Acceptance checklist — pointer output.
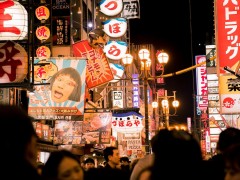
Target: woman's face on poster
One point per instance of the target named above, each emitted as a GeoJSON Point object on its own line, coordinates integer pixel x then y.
{"type": "Point", "coordinates": [62, 88]}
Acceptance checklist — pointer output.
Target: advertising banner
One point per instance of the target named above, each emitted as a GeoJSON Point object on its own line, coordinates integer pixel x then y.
{"type": "Point", "coordinates": [67, 132]}
{"type": "Point", "coordinates": [97, 128]}
{"type": "Point", "coordinates": [227, 17]}
{"type": "Point", "coordinates": [229, 94]}
{"type": "Point", "coordinates": [62, 98]}
{"type": "Point", "coordinates": [98, 69]}
{"type": "Point", "coordinates": [130, 143]}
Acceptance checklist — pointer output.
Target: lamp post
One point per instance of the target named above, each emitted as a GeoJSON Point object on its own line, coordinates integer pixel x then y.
{"type": "Point", "coordinates": [144, 55]}
{"type": "Point", "coordinates": [165, 106]}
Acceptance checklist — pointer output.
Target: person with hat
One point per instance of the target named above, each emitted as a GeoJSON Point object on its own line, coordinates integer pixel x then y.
{"type": "Point", "coordinates": [88, 163]}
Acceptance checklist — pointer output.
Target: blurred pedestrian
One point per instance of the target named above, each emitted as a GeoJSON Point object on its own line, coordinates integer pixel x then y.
{"type": "Point", "coordinates": [125, 165]}
{"type": "Point", "coordinates": [112, 169]}
{"type": "Point", "coordinates": [133, 163]}
{"type": "Point", "coordinates": [18, 144]}
{"type": "Point", "coordinates": [143, 163]}
{"type": "Point", "coordinates": [177, 155]}
{"type": "Point", "coordinates": [88, 163]}
{"type": "Point", "coordinates": [62, 165]}
{"type": "Point", "coordinates": [112, 157]}
{"type": "Point", "coordinates": [232, 162]}
{"type": "Point", "coordinates": [215, 166]}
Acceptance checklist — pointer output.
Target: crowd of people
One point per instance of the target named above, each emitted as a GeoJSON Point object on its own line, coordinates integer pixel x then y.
{"type": "Point", "coordinates": [176, 154]}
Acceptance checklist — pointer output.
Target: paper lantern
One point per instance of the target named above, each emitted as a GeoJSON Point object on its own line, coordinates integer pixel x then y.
{"type": "Point", "coordinates": [14, 62]}
{"type": "Point", "coordinates": [14, 21]}
{"type": "Point", "coordinates": [43, 52]}
{"type": "Point", "coordinates": [111, 7]}
{"type": "Point", "coordinates": [115, 49]}
{"type": "Point", "coordinates": [116, 27]}
{"type": "Point", "coordinates": [43, 33]}
{"type": "Point", "coordinates": [42, 13]}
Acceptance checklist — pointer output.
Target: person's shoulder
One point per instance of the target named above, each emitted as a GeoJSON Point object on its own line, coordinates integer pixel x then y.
{"type": "Point", "coordinates": [216, 158]}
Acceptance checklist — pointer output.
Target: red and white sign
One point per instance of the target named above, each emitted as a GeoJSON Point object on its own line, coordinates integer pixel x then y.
{"type": "Point", "coordinates": [111, 7]}
{"type": "Point", "coordinates": [227, 18]}
{"type": "Point", "coordinates": [116, 27]}
{"type": "Point", "coordinates": [201, 79]}
{"type": "Point", "coordinates": [14, 21]}
{"type": "Point", "coordinates": [115, 49]}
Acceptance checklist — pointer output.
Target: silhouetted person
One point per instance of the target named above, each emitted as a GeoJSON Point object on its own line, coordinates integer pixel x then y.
{"type": "Point", "coordinates": [18, 144]}
{"type": "Point", "coordinates": [177, 155]}
{"type": "Point", "coordinates": [215, 166]}
{"type": "Point", "coordinates": [62, 165]}
{"type": "Point", "coordinates": [125, 165]}
{"type": "Point", "coordinates": [232, 162]}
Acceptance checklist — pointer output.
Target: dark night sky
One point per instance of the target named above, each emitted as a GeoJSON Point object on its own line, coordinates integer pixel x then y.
{"type": "Point", "coordinates": [168, 25]}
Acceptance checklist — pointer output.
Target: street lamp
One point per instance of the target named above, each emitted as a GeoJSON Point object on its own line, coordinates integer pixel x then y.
{"type": "Point", "coordinates": [165, 106]}
{"type": "Point", "coordinates": [144, 56]}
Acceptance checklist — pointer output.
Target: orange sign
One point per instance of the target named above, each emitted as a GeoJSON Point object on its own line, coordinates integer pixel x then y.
{"type": "Point", "coordinates": [42, 33]}
{"type": "Point", "coordinates": [98, 68]}
{"type": "Point", "coordinates": [42, 13]}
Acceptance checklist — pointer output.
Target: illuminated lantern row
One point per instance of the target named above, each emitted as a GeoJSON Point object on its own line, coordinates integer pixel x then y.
{"type": "Point", "coordinates": [43, 33]}
{"type": "Point", "coordinates": [14, 21]}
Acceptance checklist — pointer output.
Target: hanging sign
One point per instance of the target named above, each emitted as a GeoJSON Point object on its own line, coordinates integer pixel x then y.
{"type": "Point", "coordinates": [115, 49]}
{"type": "Point", "coordinates": [43, 33]}
{"type": "Point", "coordinates": [14, 21]}
{"type": "Point", "coordinates": [43, 52]}
{"type": "Point", "coordinates": [116, 27]}
{"type": "Point", "coordinates": [14, 62]}
{"type": "Point", "coordinates": [42, 13]}
{"type": "Point", "coordinates": [111, 7]}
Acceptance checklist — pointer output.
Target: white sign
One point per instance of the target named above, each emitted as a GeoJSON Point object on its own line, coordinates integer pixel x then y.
{"type": "Point", "coordinates": [117, 99]}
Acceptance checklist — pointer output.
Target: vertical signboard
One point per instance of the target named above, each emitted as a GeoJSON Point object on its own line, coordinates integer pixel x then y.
{"type": "Point", "coordinates": [227, 18]}
{"type": "Point", "coordinates": [117, 99]}
{"type": "Point", "coordinates": [136, 98]}
{"type": "Point", "coordinates": [61, 22]}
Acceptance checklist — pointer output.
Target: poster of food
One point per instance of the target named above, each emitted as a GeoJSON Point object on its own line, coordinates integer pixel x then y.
{"type": "Point", "coordinates": [67, 132]}
{"type": "Point", "coordinates": [61, 90]}
{"type": "Point", "coordinates": [129, 143]}
{"type": "Point", "coordinates": [97, 128]}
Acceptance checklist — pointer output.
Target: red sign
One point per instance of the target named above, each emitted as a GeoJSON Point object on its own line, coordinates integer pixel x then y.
{"type": "Point", "coordinates": [227, 18]}
{"type": "Point", "coordinates": [98, 69]}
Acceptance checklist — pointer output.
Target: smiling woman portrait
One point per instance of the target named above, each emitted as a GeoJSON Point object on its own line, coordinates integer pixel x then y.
{"type": "Point", "coordinates": [65, 85]}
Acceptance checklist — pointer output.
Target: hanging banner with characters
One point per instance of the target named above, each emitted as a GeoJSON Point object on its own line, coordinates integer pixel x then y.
{"type": "Point", "coordinates": [62, 98]}
{"type": "Point", "coordinates": [98, 69]}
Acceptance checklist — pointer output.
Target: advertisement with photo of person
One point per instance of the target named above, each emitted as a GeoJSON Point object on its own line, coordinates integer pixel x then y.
{"type": "Point", "coordinates": [61, 97]}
